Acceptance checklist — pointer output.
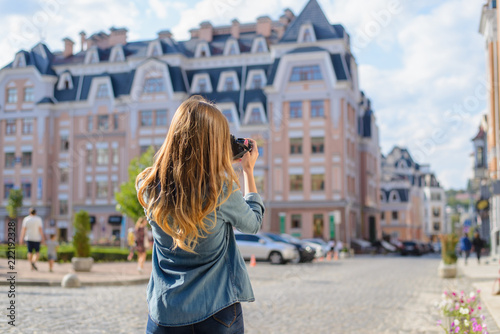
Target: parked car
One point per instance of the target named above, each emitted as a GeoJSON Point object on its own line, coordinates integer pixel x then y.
{"type": "Point", "coordinates": [306, 252]}
{"type": "Point", "coordinates": [264, 248]}
{"type": "Point", "coordinates": [436, 247]}
{"type": "Point", "coordinates": [411, 248]}
{"type": "Point", "coordinates": [325, 248]}
{"type": "Point", "coordinates": [318, 249]}
{"type": "Point", "coordinates": [362, 246]}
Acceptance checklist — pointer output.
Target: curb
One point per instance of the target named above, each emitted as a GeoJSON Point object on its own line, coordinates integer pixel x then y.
{"type": "Point", "coordinates": [492, 302]}
{"type": "Point", "coordinates": [95, 283]}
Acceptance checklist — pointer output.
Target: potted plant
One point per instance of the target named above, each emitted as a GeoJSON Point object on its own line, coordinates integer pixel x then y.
{"type": "Point", "coordinates": [448, 265]}
{"type": "Point", "coordinates": [82, 260]}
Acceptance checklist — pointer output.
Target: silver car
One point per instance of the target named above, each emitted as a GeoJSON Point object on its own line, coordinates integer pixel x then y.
{"type": "Point", "coordinates": [263, 248]}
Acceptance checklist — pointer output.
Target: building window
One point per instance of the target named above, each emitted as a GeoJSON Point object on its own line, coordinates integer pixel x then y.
{"type": "Point", "coordinates": [382, 215]}
{"type": "Point", "coordinates": [64, 175]}
{"type": "Point", "coordinates": [435, 197]}
{"type": "Point", "coordinates": [259, 183]}
{"type": "Point", "coordinates": [480, 157]}
{"type": "Point", "coordinates": [102, 91]}
{"type": "Point", "coordinates": [228, 114]}
{"type": "Point", "coordinates": [307, 36]}
{"type": "Point", "coordinates": [229, 85]}
{"type": "Point", "coordinates": [255, 116]}
{"type": "Point", "coordinates": [296, 182]}
{"type": "Point", "coordinates": [317, 109]}
{"type": "Point", "coordinates": [64, 143]}
{"type": "Point", "coordinates": [161, 117]}
{"type": "Point", "coordinates": [256, 82]}
{"type": "Point", "coordinates": [7, 187]}
{"type": "Point", "coordinates": [318, 225]}
{"type": "Point", "coordinates": [10, 160]}
{"type": "Point", "coordinates": [29, 94]}
{"type": "Point", "coordinates": [295, 145]}
{"type": "Point", "coordinates": [102, 156]}
{"type": "Point", "coordinates": [102, 189]}
{"type": "Point", "coordinates": [260, 47]}
{"type": "Point", "coordinates": [12, 95]}
{"type": "Point", "coordinates": [318, 182]}
{"type": "Point", "coordinates": [90, 123]}
{"type": "Point", "coordinates": [89, 190]}
{"type": "Point", "coordinates": [146, 118]}
{"type": "Point", "coordinates": [436, 212]}
{"type": "Point", "coordinates": [10, 127]}
{"type": "Point", "coordinates": [317, 145]}
{"type": "Point", "coordinates": [394, 215]}
{"type": "Point", "coordinates": [153, 85]}
{"type": "Point", "coordinates": [437, 226]}
{"type": "Point", "coordinates": [144, 148]}
{"type": "Point", "coordinates": [115, 187]}
{"type": "Point", "coordinates": [26, 189]}
{"type": "Point", "coordinates": [28, 126]}
{"type": "Point", "coordinates": [202, 85]}
{"type": "Point", "coordinates": [116, 121]}
{"type": "Point", "coordinates": [232, 49]}
{"type": "Point", "coordinates": [296, 221]}
{"type": "Point", "coordinates": [63, 207]}
{"type": "Point", "coordinates": [90, 157]}
{"type": "Point", "coordinates": [296, 109]}
{"type": "Point", "coordinates": [115, 160]}
{"type": "Point", "coordinates": [306, 73]}
{"type": "Point", "coordinates": [26, 159]}
{"type": "Point", "coordinates": [102, 122]}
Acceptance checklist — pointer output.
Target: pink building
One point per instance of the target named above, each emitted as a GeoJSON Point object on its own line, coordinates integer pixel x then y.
{"type": "Point", "coordinates": [71, 121]}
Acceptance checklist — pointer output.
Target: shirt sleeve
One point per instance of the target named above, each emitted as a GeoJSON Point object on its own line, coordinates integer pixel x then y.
{"type": "Point", "coordinates": [243, 212]}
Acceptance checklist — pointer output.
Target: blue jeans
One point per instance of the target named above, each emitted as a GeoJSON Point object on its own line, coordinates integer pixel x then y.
{"type": "Point", "coordinates": [226, 321]}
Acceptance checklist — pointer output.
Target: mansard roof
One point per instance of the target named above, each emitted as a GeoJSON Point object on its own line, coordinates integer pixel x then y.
{"type": "Point", "coordinates": [40, 57]}
{"type": "Point", "coordinates": [311, 14]}
{"type": "Point", "coordinates": [403, 194]}
{"type": "Point", "coordinates": [480, 134]}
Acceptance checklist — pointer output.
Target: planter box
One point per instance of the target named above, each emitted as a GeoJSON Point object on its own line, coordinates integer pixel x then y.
{"type": "Point", "coordinates": [82, 263]}
{"type": "Point", "coordinates": [447, 270]}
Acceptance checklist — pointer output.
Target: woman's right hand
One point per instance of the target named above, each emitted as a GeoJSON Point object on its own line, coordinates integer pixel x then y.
{"type": "Point", "coordinates": [250, 158]}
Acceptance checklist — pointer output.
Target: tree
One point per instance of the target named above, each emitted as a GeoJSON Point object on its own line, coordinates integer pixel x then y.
{"type": "Point", "coordinates": [127, 196]}
{"type": "Point", "coordinates": [81, 241]}
{"type": "Point", "coordinates": [14, 202]}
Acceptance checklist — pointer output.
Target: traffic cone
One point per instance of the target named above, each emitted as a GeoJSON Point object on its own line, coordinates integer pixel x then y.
{"type": "Point", "coordinates": [329, 256]}
{"type": "Point", "coordinates": [320, 259]}
{"type": "Point", "coordinates": [253, 262]}
{"type": "Point", "coordinates": [335, 256]}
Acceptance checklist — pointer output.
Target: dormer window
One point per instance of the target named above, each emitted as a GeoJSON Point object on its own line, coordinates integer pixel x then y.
{"type": "Point", "coordinates": [228, 82]}
{"type": "Point", "coordinates": [259, 45]}
{"type": "Point", "coordinates": [154, 85]}
{"type": "Point", "coordinates": [228, 114]}
{"type": "Point", "coordinates": [20, 60]}
{"type": "Point", "coordinates": [29, 94]}
{"type": "Point", "coordinates": [256, 79]}
{"type": "Point", "coordinates": [92, 56]}
{"type": "Point", "coordinates": [102, 91]}
{"type": "Point", "coordinates": [65, 81]}
{"type": "Point", "coordinates": [255, 114]}
{"type": "Point", "coordinates": [201, 83]}
{"type": "Point", "coordinates": [256, 82]}
{"type": "Point", "coordinates": [306, 73]}
{"type": "Point", "coordinates": [154, 49]}
{"type": "Point", "coordinates": [117, 54]}
{"type": "Point", "coordinates": [202, 50]}
{"type": "Point", "coordinates": [231, 47]}
{"type": "Point", "coordinates": [306, 34]}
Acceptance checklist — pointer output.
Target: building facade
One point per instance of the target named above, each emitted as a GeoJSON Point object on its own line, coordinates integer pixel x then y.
{"type": "Point", "coordinates": [72, 121]}
{"type": "Point", "coordinates": [488, 28]}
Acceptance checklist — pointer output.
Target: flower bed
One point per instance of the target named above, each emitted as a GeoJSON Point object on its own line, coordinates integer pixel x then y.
{"type": "Point", "coordinates": [462, 313]}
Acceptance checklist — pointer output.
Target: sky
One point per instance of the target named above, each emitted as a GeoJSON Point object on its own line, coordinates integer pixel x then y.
{"type": "Point", "coordinates": [422, 63]}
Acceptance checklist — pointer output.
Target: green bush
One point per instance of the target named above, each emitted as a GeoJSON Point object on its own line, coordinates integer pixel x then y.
{"type": "Point", "coordinates": [81, 240]}
{"type": "Point", "coordinates": [448, 246]}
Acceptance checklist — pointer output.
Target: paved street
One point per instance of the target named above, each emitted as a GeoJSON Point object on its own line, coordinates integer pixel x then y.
{"type": "Point", "coordinates": [362, 295]}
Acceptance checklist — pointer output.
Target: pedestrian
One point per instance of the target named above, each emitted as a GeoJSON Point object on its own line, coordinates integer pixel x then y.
{"type": "Point", "coordinates": [140, 242]}
{"type": "Point", "coordinates": [465, 247]}
{"type": "Point", "coordinates": [52, 246]}
{"type": "Point", "coordinates": [131, 243]}
{"type": "Point", "coordinates": [478, 244]}
{"type": "Point", "coordinates": [331, 246]}
{"type": "Point", "coordinates": [338, 247]}
{"type": "Point", "coordinates": [193, 201]}
{"type": "Point", "coordinates": [32, 233]}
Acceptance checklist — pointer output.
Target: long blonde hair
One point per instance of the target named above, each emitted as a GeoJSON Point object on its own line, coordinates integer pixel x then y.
{"type": "Point", "coordinates": [186, 181]}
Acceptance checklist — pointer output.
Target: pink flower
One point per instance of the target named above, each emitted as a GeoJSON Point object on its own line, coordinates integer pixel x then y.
{"type": "Point", "coordinates": [454, 294]}
{"type": "Point", "coordinates": [457, 329]}
{"type": "Point", "coordinates": [462, 293]}
{"type": "Point", "coordinates": [479, 307]}
{"type": "Point", "coordinates": [478, 291]}
{"type": "Point", "coordinates": [468, 300]}
{"type": "Point", "coordinates": [445, 292]}
{"type": "Point", "coordinates": [439, 322]}
{"type": "Point", "coordinates": [457, 306]}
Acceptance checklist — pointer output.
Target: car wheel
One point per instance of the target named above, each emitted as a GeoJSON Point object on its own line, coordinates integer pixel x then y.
{"type": "Point", "coordinates": [276, 258]}
{"type": "Point", "coordinates": [298, 259]}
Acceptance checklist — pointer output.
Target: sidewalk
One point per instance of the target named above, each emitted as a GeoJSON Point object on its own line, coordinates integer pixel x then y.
{"type": "Point", "coordinates": [483, 277]}
{"type": "Point", "coordinates": [102, 274]}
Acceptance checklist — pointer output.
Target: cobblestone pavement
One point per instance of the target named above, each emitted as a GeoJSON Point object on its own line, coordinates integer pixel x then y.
{"type": "Point", "coordinates": [360, 295]}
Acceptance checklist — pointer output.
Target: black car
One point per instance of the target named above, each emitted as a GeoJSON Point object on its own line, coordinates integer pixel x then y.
{"type": "Point", "coordinates": [306, 252]}
{"type": "Point", "coordinates": [411, 248]}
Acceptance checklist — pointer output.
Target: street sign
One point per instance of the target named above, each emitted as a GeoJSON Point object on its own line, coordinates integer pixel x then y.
{"type": "Point", "coordinates": [467, 223]}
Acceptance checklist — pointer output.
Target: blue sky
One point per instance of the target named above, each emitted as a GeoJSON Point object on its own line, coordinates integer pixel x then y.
{"type": "Point", "coordinates": [422, 64]}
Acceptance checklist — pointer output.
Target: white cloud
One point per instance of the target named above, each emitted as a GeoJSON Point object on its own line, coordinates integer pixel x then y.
{"type": "Point", "coordinates": [161, 8]}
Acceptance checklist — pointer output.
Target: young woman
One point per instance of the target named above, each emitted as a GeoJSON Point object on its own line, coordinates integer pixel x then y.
{"type": "Point", "coordinates": [192, 200]}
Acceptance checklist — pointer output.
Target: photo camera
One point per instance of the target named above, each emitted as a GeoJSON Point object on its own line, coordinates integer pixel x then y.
{"type": "Point", "coordinates": [239, 147]}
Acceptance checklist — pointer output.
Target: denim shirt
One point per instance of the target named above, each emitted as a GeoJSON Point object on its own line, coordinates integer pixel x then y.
{"type": "Point", "coordinates": [186, 288]}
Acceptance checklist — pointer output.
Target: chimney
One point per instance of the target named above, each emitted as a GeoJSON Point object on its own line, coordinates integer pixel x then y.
{"type": "Point", "coordinates": [82, 39]}
{"type": "Point", "coordinates": [206, 31]}
{"type": "Point", "coordinates": [164, 34]}
{"type": "Point", "coordinates": [235, 29]}
{"type": "Point", "coordinates": [117, 36]}
{"type": "Point", "coordinates": [264, 26]}
{"type": "Point", "coordinates": [284, 20]}
{"type": "Point", "coordinates": [289, 14]}
{"type": "Point", "coordinates": [68, 47]}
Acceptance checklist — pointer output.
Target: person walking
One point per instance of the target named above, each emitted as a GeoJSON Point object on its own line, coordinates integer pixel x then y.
{"type": "Point", "coordinates": [478, 244]}
{"type": "Point", "coordinates": [131, 243]}
{"type": "Point", "coordinates": [465, 247]}
{"type": "Point", "coordinates": [52, 246]}
{"type": "Point", "coordinates": [140, 242]}
{"type": "Point", "coordinates": [192, 201]}
{"type": "Point", "coordinates": [32, 233]}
